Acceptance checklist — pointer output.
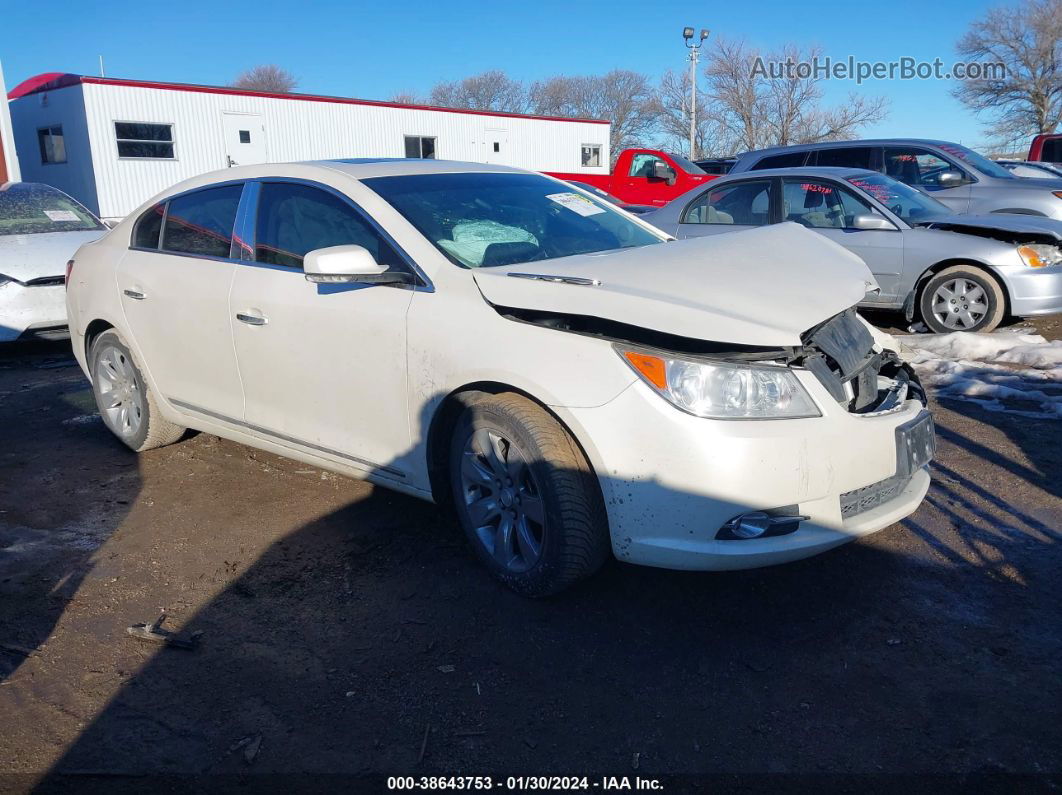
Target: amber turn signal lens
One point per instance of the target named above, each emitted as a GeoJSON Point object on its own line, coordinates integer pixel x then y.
{"type": "Point", "coordinates": [652, 367]}
{"type": "Point", "coordinates": [1032, 257]}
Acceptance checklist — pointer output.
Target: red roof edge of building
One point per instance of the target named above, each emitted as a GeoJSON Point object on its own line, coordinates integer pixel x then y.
{"type": "Point", "coordinates": [50, 81]}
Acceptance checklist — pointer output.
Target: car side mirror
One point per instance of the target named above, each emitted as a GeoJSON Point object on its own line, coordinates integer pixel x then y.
{"type": "Point", "coordinates": [662, 170]}
{"type": "Point", "coordinates": [868, 222]}
{"type": "Point", "coordinates": [349, 264]}
{"type": "Point", "coordinates": [951, 179]}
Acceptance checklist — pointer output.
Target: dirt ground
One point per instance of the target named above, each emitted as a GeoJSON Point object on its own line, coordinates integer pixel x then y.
{"type": "Point", "coordinates": [346, 630]}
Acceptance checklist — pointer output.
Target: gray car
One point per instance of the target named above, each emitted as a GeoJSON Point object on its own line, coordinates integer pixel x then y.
{"type": "Point", "coordinates": [954, 272]}
{"type": "Point", "coordinates": [959, 177]}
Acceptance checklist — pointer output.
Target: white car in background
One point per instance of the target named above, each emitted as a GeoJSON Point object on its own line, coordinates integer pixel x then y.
{"type": "Point", "coordinates": [566, 377]}
{"type": "Point", "coordinates": [40, 229]}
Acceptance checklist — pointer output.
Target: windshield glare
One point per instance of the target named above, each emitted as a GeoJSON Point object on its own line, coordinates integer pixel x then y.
{"type": "Point", "coordinates": [902, 200]}
{"type": "Point", "coordinates": [686, 165]}
{"type": "Point", "coordinates": [31, 209]}
{"type": "Point", "coordinates": [980, 162]}
{"type": "Point", "coordinates": [479, 220]}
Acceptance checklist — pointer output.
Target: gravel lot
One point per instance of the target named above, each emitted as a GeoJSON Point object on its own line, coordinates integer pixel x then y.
{"type": "Point", "coordinates": [346, 629]}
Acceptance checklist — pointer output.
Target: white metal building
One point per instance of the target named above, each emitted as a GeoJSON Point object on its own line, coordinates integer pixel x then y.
{"type": "Point", "coordinates": [112, 144]}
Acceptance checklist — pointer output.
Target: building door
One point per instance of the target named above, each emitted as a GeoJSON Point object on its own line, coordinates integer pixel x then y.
{"type": "Point", "coordinates": [245, 139]}
{"type": "Point", "coordinates": [496, 145]}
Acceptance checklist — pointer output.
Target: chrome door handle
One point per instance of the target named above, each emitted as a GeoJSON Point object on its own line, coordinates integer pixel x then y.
{"type": "Point", "coordinates": [250, 320]}
{"type": "Point", "coordinates": [136, 295]}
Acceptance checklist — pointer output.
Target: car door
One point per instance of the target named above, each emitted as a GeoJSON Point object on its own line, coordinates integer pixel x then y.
{"type": "Point", "coordinates": [174, 286]}
{"type": "Point", "coordinates": [921, 168]}
{"type": "Point", "coordinates": [641, 186]}
{"type": "Point", "coordinates": [323, 365]}
{"type": "Point", "coordinates": [829, 209]}
{"type": "Point", "coordinates": [729, 207]}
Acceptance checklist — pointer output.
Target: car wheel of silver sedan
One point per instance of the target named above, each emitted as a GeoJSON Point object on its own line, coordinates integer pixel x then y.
{"type": "Point", "coordinates": [124, 399]}
{"type": "Point", "coordinates": [525, 496]}
{"type": "Point", "coordinates": [962, 298]}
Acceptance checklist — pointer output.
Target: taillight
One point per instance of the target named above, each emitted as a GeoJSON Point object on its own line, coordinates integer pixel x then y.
{"type": "Point", "coordinates": [69, 268]}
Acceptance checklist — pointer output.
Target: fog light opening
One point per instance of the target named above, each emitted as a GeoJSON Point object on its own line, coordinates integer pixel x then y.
{"type": "Point", "coordinates": [758, 524]}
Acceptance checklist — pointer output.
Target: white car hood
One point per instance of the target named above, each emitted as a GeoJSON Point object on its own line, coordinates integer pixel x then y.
{"type": "Point", "coordinates": [25, 257]}
{"type": "Point", "coordinates": [760, 287]}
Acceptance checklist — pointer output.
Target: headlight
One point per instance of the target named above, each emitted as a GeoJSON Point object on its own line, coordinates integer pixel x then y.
{"type": "Point", "coordinates": [1040, 255]}
{"type": "Point", "coordinates": [723, 390]}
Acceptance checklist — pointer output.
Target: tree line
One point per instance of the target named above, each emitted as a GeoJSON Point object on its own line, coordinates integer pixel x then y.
{"type": "Point", "coordinates": [741, 108]}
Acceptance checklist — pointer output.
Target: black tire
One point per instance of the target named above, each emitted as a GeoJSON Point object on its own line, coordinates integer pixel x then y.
{"type": "Point", "coordinates": [572, 540]}
{"type": "Point", "coordinates": [991, 297]}
{"type": "Point", "coordinates": [142, 427]}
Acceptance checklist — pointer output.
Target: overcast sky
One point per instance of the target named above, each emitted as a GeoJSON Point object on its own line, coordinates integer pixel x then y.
{"type": "Point", "coordinates": [373, 50]}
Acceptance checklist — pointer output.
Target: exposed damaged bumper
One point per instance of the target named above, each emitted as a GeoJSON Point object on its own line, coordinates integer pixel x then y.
{"type": "Point", "coordinates": [37, 308]}
{"type": "Point", "coordinates": [683, 485]}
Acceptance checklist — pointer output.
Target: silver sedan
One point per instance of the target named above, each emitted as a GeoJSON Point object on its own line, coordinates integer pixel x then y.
{"type": "Point", "coordinates": [955, 273]}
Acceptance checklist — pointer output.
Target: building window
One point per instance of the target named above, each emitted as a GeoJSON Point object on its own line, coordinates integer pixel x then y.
{"type": "Point", "coordinates": [52, 143]}
{"type": "Point", "coordinates": [420, 146]}
{"type": "Point", "coordinates": [591, 157]}
{"type": "Point", "coordinates": [139, 139]}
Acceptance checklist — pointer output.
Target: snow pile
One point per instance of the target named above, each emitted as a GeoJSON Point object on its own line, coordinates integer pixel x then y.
{"type": "Point", "coordinates": [1003, 371]}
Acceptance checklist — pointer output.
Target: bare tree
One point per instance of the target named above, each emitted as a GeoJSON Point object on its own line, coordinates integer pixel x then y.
{"type": "Point", "coordinates": [493, 90]}
{"type": "Point", "coordinates": [673, 119]}
{"type": "Point", "coordinates": [1027, 41]}
{"type": "Point", "coordinates": [267, 77]}
{"type": "Point", "coordinates": [623, 97]}
{"type": "Point", "coordinates": [407, 98]}
{"type": "Point", "coordinates": [756, 108]}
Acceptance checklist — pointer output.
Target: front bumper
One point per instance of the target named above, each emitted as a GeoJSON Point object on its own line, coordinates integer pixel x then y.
{"type": "Point", "coordinates": [34, 310]}
{"type": "Point", "coordinates": [1033, 291]}
{"type": "Point", "coordinates": [671, 480]}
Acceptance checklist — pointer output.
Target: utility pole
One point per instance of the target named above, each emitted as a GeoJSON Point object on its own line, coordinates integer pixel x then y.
{"type": "Point", "coordinates": [695, 51]}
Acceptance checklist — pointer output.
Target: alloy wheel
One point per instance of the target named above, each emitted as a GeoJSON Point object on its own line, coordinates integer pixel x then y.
{"type": "Point", "coordinates": [502, 500]}
{"type": "Point", "coordinates": [959, 304]}
{"type": "Point", "coordinates": [121, 399]}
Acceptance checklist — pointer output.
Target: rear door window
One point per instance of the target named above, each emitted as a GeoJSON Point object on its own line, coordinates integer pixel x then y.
{"type": "Point", "coordinates": [739, 203]}
{"type": "Point", "coordinates": [201, 222]}
{"type": "Point", "coordinates": [787, 160]}
{"type": "Point", "coordinates": [294, 219]}
{"type": "Point", "coordinates": [847, 157]}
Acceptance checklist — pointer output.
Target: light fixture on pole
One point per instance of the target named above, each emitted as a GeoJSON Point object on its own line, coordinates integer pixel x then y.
{"type": "Point", "coordinates": [695, 50]}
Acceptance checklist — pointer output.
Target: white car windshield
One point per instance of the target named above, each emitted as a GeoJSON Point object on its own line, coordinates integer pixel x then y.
{"type": "Point", "coordinates": [480, 220]}
{"type": "Point", "coordinates": [910, 204]}
{"type": "Point", "coordinates": [27, 208]}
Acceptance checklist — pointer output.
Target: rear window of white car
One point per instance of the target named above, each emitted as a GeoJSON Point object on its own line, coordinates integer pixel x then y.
{"type": "Point", "coordinates": [27, 209]}
{"type": "Point", "coordinates": [479, 220]}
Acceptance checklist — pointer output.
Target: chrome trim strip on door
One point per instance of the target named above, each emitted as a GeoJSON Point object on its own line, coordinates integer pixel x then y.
{"type": "Point", "coordinates": [378, 468]}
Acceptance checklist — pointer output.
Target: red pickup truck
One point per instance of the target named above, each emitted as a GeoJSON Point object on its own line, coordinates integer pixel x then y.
{"type": "Point", "coordinates": [645, 176]}
{"type": "Point", "coordinates": [1046, 148]}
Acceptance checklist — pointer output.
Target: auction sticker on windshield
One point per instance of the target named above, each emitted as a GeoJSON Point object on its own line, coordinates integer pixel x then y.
{"type": "Point", "coordinates": [61, 215]}
{"type": "Point", "coordinates": [576, 203]}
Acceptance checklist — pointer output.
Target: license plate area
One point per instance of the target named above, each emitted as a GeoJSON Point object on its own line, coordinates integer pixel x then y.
{"type": "Point", "coordinates": [916, 443]}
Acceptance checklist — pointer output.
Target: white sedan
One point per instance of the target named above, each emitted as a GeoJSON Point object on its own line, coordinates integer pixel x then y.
{"type": "Point", "coordinates": [40, 229]}
{"type": "Point", "coordinates": [566, 378]}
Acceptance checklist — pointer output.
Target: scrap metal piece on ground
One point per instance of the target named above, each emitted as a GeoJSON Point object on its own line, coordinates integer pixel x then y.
{"type": "Point", "coordinates": [153, 633]}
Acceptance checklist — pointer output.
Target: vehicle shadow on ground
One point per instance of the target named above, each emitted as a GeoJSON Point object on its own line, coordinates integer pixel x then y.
{"type": "Point", "coordinates": [55, 511]}
{"type": "Point", "coordinates": [370, 642]}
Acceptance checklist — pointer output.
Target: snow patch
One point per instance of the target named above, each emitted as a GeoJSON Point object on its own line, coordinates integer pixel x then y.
{"type": "Point", "coordinates": [81, 419]}
{"type": "Point", "coordinates": [1003, 371]}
